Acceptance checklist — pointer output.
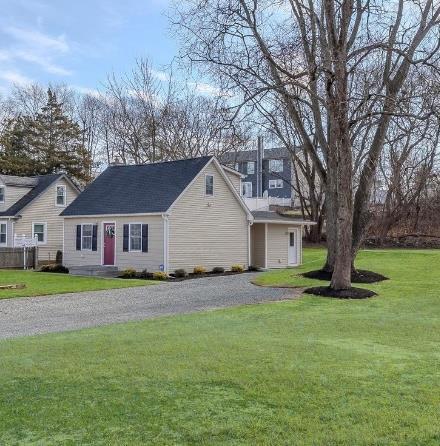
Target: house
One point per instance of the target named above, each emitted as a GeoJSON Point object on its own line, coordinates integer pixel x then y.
{"type": "Point", "coordinates": [31, 207]}
{"type": "Point", "coordinates": [267, 173]}
{"type": "Point", "coordinates": [171, 215]}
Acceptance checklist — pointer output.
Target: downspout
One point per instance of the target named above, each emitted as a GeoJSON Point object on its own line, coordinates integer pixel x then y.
{"type": "Point", "coordinates": [166, 242]}
{"type": "Point", "coordinates": [250, 223]}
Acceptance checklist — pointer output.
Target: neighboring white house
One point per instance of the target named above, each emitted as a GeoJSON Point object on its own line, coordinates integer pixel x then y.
{"type": "Point", "coordinates": [176, 214]}
{"type": "Point", "coordinates": [31, 207]}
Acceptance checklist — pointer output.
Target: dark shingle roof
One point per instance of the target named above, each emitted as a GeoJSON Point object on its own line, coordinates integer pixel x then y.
{"type": "Point", "coordinates": [136, 189]}
{"type": "Point", "coordinates": [43, 182]}
{"type": "Point", "coordinates": [275, 216]}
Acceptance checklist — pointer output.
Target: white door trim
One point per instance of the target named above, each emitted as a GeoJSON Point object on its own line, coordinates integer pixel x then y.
{"type": "Point", "coordinates": [297, 253]}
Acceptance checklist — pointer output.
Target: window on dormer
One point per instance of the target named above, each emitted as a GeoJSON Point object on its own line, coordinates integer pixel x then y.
{"type": "Point", "coordinates": [61, 195]}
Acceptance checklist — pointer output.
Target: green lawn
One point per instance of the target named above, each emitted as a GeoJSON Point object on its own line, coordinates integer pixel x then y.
{"type": "Point", "coordinates": [39, 284]}
{"type": "Point", "coordinates": [311, 371]}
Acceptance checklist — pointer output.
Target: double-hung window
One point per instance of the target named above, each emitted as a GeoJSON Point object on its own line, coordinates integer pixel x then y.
{"type": "Point", "coordinates": [61, 196]}
{"type": "Point", "coordinates": [276, 165]}
{"type": "Point", "coordinates": [86, 237]}
{"type": "Point", "coordinates": [135, 237]}
{"type": "Point", "coordinates": [2, 194]}
{"type": "Point", "coordinates": [39, 232]}
{"type": "Point", "coordinates": [3, 233]}
{"type": "Point", "coordinates": [209, 185]}
{"type": "Point", "coordinates": [275, 184]}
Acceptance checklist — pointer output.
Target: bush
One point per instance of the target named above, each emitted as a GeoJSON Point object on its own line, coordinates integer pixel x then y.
{"type": "Point", "coordinates": [179, 273]}
{"type": "Point", "coordinates": [160, 275]}
{"type": "Point", "coordinates": [129, 273]}
{"type": "Point", "coordinates": [237, 268]}
{"type": "Point", "coordinates": [59, 257]}
{"type": "Point", "coordinates": [54, 268]}
{"type": "Point", "coordinates": [218, 270]}
{"type": "Point", "coordinates": [144, 274]}
{"type": "Point", "coordinates": [199, 269]}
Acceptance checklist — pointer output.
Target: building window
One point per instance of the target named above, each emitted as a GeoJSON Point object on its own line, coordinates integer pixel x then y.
{"type": "Point", "coordinates": [237, 167]}
{"type": "Point", "coordinates": [2, 194]}
{"type": "Point", "coordinates": [276, 165]}
{"type": "Point", "coordinates": [86, 237]}
{"type": "Point", "coordinates": [39, 232]}
{"type": "Point", "coordinates": [275, 184]}
{"type": "Point", "coordinates": [3, 235]}
{"type": "Point", "coordinates": [135, 237]}
{"type": "Point", "coordinates": [246, 189]}
{"type": "Point", "coordinates": [250, 167]}
{"type": "Point", "coordinates": [209, 185]}
{"type": "Point", "coordinates": [61, 196]}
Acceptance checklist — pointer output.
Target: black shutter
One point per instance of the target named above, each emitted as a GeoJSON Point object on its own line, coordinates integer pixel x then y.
{"type": "Point", "coordinates": [78, 237]}
{"type": "Point", "coordinates": [126, 240]}
{"type": "Point", "coordinates": [144, 238]}
{"type": "Point", "coordinates": [95, 238]}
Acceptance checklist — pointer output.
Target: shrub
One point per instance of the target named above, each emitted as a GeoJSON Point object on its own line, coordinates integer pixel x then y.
{"type": "Point", "coordinates": [160, 275]}
{"type": "Point", "coordinates": [180, 273]}
{"type": "Point", "coordinates": [237, 268]}
{"type": "Point", "coordinates": [129, 273]}
{"type": "Point", "coordinates": [218, 270]}
{"type": "Point", "coordinates": [59, 257]}
{"type": "Point", "coordinates": [144, 274]}
{"type": "Point", "coordinates": [54, 268]}
{"type": "Point", "coordinates": [199, 269]}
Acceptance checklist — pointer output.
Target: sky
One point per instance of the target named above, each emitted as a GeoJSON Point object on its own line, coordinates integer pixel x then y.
{"type": "Point", "coordinates": [79, 42]}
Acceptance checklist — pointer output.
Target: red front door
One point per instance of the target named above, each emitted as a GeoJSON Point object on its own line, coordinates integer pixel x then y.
{"type": "Point", "coordinates": [109, 243]}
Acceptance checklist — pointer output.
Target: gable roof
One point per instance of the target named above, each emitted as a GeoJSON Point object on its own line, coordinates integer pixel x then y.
{"type": "Point", "coordinates": [137, 189]}
{"type": "Point", "coordinates": [42, 183]}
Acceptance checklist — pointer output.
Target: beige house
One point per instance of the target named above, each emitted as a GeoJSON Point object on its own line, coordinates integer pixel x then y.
{"type": "Point", "coordinates": [171, 215]}
{"type": "Point", "coordinates": [30, 207]}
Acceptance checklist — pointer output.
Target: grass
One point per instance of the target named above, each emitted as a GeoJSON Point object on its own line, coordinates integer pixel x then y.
{"type": "Point", "coordinates": [39, 284]}
{"type": "Point", "coordinates": [311, 371]}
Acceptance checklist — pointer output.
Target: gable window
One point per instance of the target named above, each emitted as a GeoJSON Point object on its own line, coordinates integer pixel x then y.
{"type": "Point", "coordinates": [250, 167]}
{"type": "Point", "coordinates": [275, 184]}
{"type": "Point", "coordinates": [61, 196]}
{"type": "Point", "coordinates": [209, 185]}
{"type": "Point", "coordinates": [2, 194]}
{"type": "Point", "coordinates": [86, 237]}
{"type": "Point", "coordinates": [276, 165]}
{"type": "Point", "coordinates": [135, 237]}
{"type": "Point", "coordinates": [3, 234]}
{"type": "Point", "coordinates": [39, 232]}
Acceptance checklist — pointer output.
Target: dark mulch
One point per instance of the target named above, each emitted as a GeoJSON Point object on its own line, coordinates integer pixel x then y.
{"type": "Point", "coordinates": [351, 293]}
{"type": "Point", "coordinates": [358, 276]}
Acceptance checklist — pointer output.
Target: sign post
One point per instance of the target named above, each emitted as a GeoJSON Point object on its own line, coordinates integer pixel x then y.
{"type": "Point", "coordinates": [25, 243]}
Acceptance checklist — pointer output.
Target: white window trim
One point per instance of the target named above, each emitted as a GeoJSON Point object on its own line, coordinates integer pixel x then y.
{"type": "Point", "coordinates": [91, 237]}
{"type": "Point", "coordinates": [278, 161]}
{"type": "Point", "coordinates": [129, 237]}
{"type": "Point", "coordinates": [209, 175]}
{"type": "Point", "coordinates": [56, 196]}
{"type": "Point", "coordinates": [4, 193]}
{"type": "Point", "coordinates": [44, 231]}
{"type": "Point", "coordinates": [4, 222]}
{"type": "Point", "coordinates": [273, 184]}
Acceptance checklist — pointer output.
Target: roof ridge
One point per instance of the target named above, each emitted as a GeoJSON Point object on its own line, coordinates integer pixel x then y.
{"type": "Point", "coordinates": [155, 163]}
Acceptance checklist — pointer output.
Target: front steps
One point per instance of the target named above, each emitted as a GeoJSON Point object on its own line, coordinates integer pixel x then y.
{"type": "Point", "coordinates": [94, 270]}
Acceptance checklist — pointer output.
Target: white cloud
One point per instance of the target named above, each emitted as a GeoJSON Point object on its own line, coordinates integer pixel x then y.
{"type": "Point", "coordinates": [85, 90]}
{"type": "Point", "coordinates": [160, 75]}
{"type": "Point", "coordinates": [37, 39]}
{"type": "Point", "coordinates": [44, 62]}
{"type": "Point", "coordinates": [14, 77]}
{"type": "Point", "coordinates": [208, 89]}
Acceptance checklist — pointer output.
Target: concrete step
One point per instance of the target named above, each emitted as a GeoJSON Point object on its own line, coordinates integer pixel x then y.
{"type": "Point", "coordinates": [94, 270]}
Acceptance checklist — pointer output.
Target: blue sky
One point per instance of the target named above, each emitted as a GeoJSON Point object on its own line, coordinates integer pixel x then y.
{"type": "Point", "coordinates": [79, 42]}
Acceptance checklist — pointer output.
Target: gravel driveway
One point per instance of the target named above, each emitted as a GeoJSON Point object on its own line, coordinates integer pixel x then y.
{"type": "Point", "coordinates": [33, 315]}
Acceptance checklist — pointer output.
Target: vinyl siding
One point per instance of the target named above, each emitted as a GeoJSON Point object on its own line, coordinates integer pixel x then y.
{"type": "Point", "coordinates": [258, 245]}
{"type": "Point", "coordinates": [9, 233]}
{"type": "Point", "coordinates": [208, 231]}
{"type": "Point", "coordinates": [150, 260]}
{"type": "Point", "coordinates": [43, 210]}
{"type": "Point", "coordinates": [235, 180]}
{"type": "Point", "coordinates": [12, 195]}
{"type": "Point", "coordinates": [277, 245]}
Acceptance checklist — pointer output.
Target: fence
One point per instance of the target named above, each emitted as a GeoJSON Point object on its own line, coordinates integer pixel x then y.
{"type": "Point", "coordinates": [18, 257]}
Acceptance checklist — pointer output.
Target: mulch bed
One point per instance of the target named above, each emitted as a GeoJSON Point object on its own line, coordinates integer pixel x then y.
{"type": "Point", "coordinates": [358, 276]}
{"type": "Point", "coordinates": [351, 293]}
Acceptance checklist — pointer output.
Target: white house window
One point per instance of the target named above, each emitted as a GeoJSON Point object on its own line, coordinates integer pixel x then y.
{"type": "Point", "coordinates": [250, 167]}
{"type": "Point", "coordinates": [2, 194]}
{"type": "Point", "coordinates": [135, 237]}
{"type": "Point", "coordinates": [3, 235]}
{"type": "Point", "coordinates": [209, 185]}
{"type": "Point", "coordinates": [61, 195]}
{"type": "Point", "coordinates": [86, 237]}
{"type": "Point", "coordinates": [246, 189]}
{"type": "Point", "coordinates": [275, 184]}
{"type": "Point", "coordinates": [276, 165]}
{"type": "Point", "coordinates": [39, 232]}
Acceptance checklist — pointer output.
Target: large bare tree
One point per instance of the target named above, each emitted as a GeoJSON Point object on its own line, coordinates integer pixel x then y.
{"type": "Point", "coordinates": [347, 62]}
